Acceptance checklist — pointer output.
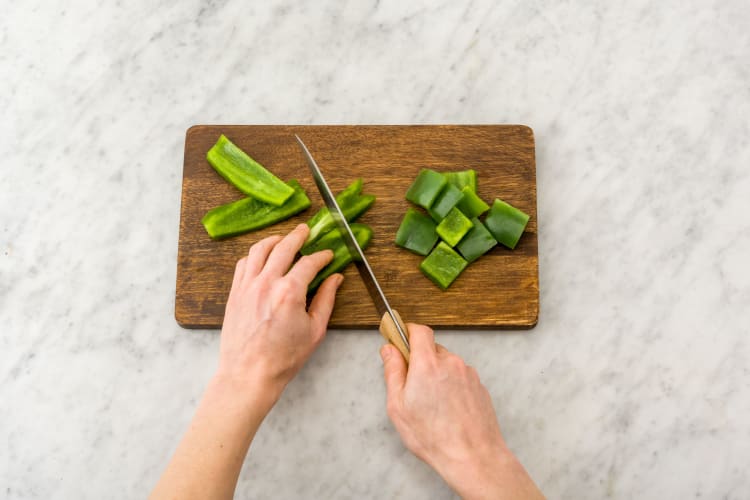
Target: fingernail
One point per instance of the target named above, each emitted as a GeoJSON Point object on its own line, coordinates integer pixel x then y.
{"type": "Point", "coordinates": [339, 279]}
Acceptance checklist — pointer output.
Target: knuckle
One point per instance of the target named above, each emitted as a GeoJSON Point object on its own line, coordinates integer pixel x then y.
{"type": "Point", "coordinates": [305, 260]}
{"type": "Point", "coordinates": [264, 243]}
{"type": "Point", "coordinates": [456, 362]}
{"type": "Point", "coordinates": [286, 290]}
{"type": "Point", "coordinates": [315, 259]}
{"type": "Point", "coordinates": [431, 370]}
{"type": "Point", "coordinates": [259, 287]}
{"type": "Point", "coordinates": [283, 288]}
{"type": "Point", "coordinates": [257, 246]}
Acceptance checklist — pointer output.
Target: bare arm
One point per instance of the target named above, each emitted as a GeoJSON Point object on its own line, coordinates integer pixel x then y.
{"type": "Point", "coordinates": [445, 417]}
{"type": "Point", "coordinates": [266, 338]}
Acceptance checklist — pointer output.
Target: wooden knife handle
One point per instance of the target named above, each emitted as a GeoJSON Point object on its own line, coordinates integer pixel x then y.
{"type": "Point", "coordinates": [390, 333]}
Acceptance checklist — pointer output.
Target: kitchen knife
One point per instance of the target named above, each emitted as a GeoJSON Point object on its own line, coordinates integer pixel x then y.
{"type": "Point", "coordinates": [391, 326]}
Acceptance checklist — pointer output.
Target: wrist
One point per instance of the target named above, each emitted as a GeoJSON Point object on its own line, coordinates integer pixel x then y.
{"type": "Point", "coordinates": [250, 388]}
{"type": "Point", "coordinates": [481, 474]}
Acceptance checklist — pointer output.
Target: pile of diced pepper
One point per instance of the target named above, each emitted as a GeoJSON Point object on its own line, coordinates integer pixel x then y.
{"type": "Point", "coordinates": [450, 234]}
{"type": "Point", "coordinates": [270, 200]}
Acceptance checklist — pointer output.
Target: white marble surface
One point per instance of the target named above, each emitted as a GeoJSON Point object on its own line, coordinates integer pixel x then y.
{"type": "Point", "coordinates": [635, 383]}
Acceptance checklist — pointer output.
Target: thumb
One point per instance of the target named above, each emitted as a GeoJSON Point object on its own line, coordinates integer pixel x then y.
{"type": "Point", "coordinates": [394, 368]}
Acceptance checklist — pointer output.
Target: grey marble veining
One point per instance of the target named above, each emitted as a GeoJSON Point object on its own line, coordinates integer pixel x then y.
{"type": "Point", "coordinates": [635, 383]}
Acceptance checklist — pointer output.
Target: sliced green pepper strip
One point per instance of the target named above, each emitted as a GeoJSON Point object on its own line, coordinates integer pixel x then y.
{"type": "Point", "coordinates": [352, 204]}
{"type": "Point", "coordinates": [447, 199]}
{"type": "Point", "coordinates": [453, 227]}
{"type": "Point", "coordinates": [462, 178]}
{"type": "Point", "coordinates": [351, 191]}
{"type": "Point", "coordinates": [477, 242]}
{"type": "Point", "coordinates": [416, 232]}
{"type": "Point", "coordinates": [471, 204]}
{"type": "Point", "coordinates": [249, 214]}
{"type": "Point", "coordinates": [443, 265]}
{"type": "Point", "coordinates": [506, 223]}
{"type": "Point", "coordinates": [426, 187]}
{"type": "Point", "coordinates": [246, 174]}
{"type": "Point", "coordinates": [332, 240]}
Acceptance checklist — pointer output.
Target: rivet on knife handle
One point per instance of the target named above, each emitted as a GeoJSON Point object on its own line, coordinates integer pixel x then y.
{"type": "Point", "coordinates": [389, 331]}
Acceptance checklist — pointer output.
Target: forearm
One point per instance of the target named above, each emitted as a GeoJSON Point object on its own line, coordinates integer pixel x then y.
{"type": "Point", "coordinates": [498, 476]}
{"type": "Point", "coordinates": [208, 460]}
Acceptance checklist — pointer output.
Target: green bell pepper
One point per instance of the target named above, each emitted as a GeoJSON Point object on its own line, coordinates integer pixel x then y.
{"type": "Point", "coordinates": [416, 232]}
{"type": "Point", "coordinates": [462, 178]}
{"type": "Point", "coordinates": [471, 204]}
{"type": "Point", "coordinates": [351, 202]}
{"type": "Point", "coordinates": [332, 240]}
{"type": "Point", "coordinates": [443, 265]}
{"type": "Point", "coordinates": [249, 214]}
{"type": "Point", "coordinates": [453, 227]}
{"type": "Point", "coordinates": [506, 223]}
{"type": "Point", "coordinates": [426, 187]}
{"type": "Point", "coordinates": [448, 198]}
{"type": "Point", "coordinates": [477, 242]}
{"type": "Point", "coordinates": [246, 174]}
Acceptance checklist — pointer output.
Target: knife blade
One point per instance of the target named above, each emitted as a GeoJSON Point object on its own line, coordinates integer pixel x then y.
{"type": "Point", "coordinates": [390, 319]}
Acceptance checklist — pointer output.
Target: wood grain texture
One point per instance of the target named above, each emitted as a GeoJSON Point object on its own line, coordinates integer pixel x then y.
{"type": "Point", "coordinates": [500, 290]}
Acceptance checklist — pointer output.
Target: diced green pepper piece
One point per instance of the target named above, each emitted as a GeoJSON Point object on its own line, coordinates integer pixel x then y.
{"type": "Point", "coordinates": [447, 199]}
{"type": "Point", "coordinates": [426, 188]}
{"type": "Point", "coordinates": [246, 174]}
{"type": "Point", "coordinates": [443, 265]}
{"type": "Point", "coordinates": [471, 204]}
{"type": "Point", "coordinates": [453, 227]}
{"type": "Point", "coordinates": [506, 223]}
{"type": "Point", "coordinates": [249, 214]}
{"type": "Point", "coordinates": [352, 204]}
{"type": "Point", "coordinates": [416, 232]}
{"type": "Point", "coordinates": [462, 178]}
{"type": "Point", "coordinates": [477, 242]}
{"type": "Point", "coordinates": [332, 240]}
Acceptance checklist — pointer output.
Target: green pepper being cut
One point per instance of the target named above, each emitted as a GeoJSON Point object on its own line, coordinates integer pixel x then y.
{"type": "Point", "coordinates": [506, 223]}
{"type": "Point", "coordinates": [447, 199]}
{"type": "Point", "coordinates": [471, 204]}
{"type": "Point", "coordinates": [249, 214]}
{"type": "Point", "coordinates": [477, 242]}
{"type": "Point", "coordinates": [426, 187]}
{"type": "Point", "coordinates": [462, 178]}
{"type": "Point", "coordinates": [332, 240]}
{"type": "Point", "coordinates": [453, 227]}
{"type": "Point", "coordinates": [352, 204]}
{"type": "Point", "coordinates": [246, 174]}
{"type": "Point", "coordinates": [443, 265]}
{"type": "Point", "coordinates": [416, 232]}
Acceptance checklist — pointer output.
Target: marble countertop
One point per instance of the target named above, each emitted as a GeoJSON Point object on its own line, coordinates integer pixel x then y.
{"type": "Point", "coordinates": [634, 384]}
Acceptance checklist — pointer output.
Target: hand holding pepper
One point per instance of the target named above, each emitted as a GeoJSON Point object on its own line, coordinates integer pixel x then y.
{"type": "Point", "coordinates": [267, 334]}
{"type": "Point", "coordinates": [266, 338]}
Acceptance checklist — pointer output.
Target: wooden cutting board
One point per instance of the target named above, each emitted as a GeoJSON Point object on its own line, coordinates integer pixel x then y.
{"type": "Point", "coordinates": [500, 290]}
